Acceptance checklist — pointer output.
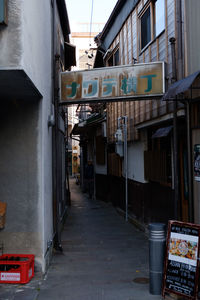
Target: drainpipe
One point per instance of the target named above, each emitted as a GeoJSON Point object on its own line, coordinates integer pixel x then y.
{"type": "Point", "coordinates": [180, 63]}
{"type": "Point", "coordinates": [175, 144]}
{"type": "Point", "coordinates": [55, 66]}
{"type": "Point", "coordinates": [179, 39]}
{"type": "Point", "coordinates": [126, 164]}
{"type": "Point", "coordinates": [190, 199]}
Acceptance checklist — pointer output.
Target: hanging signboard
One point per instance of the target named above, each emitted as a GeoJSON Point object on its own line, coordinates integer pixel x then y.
{"type": "Point", "coordinates": [116, 83]}
{"type": "Point", "coordinates": [197, 162]}
{"type": "Point", "coordinates": [3, 12]}
{"type": "Point", "coordinates": [181, 262]}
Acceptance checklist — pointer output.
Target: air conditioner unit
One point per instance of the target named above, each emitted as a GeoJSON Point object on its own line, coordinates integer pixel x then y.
{"type": "Point", "coordinates": [119, 148]}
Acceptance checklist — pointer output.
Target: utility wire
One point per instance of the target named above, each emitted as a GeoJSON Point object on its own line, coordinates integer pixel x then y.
{"type": "Point", "coordinates": [91, 20]}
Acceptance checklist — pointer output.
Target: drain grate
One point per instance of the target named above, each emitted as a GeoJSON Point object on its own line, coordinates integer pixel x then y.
{"type": "Point", "coordinates": [96, 207]}
{"type": "Point", "coordinates": [141, 280]}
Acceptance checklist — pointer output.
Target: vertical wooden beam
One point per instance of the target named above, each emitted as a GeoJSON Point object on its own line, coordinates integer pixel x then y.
{"type": "Point", "coordinates": [152, 20]}
{"type": "Point", "coordinates": [138, 30]}
{"type": "Point", "coordinates": [131, 20]}
{"type": "Point", "coordinates": [157, 49]}
{"type": "Point", "coordinates": [166, 32]}
{"type": "Point", "coordinates": [123, 52]}
{"type": "Point", "coordinates": [150, 53]}
{"type": "Point", "coordinates": [127, 52]}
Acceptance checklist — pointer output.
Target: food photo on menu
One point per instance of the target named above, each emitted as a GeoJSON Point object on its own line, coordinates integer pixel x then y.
{"type": "Point", "coordinates": [183, 248]}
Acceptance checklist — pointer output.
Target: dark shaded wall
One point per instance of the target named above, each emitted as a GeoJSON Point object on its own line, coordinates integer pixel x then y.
{"type": "Point", "coordinates": [148, 202]}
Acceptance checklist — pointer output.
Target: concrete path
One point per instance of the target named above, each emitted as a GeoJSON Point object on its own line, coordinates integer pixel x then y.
{"type": "Point", "coordinates": [103, 256]}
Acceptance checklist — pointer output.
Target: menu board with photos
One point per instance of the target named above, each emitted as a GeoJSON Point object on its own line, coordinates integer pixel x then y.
{"type": "Point", "coordinates": [181, 261]}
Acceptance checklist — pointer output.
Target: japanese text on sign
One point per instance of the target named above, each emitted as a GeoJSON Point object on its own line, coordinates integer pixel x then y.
{"type": "Point", "coordinates": [137, 80]}
{"type": "Point", "coordinates": [181, 266]}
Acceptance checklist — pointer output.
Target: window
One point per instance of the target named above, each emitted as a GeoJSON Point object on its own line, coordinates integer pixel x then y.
{"type": "Point", "coordinates": [3, 12]}
{"type": "Point", "coordinates": [154, 13]}
{"type": "Point", "coordinates": [159, 16]}
{"type": "Point", "coordinates": [113, 59]}
{"type": "Point", "coordinates": [116, 58]}
{"type": "Point", "coordinates": [146, 28]}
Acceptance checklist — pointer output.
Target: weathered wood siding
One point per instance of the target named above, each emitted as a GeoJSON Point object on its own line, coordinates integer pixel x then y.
{"type": "Point", "coordinates": [159, 49]}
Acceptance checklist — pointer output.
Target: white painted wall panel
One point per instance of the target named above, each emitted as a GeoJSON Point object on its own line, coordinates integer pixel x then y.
{"type": "Point", "coordinates": [192, 27]}
{"type": "Point", "coordinates": [136, 161]}
{"type": "Point", "coordinates": [11, 37]}
{"type": "Point", "coordinates": [162, 48]}
{"type": "Point", "coordinates": [154, 52]}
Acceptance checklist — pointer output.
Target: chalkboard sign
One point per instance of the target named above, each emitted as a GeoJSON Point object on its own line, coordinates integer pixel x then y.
{"type": "Point", "coordinates": [181, 261]}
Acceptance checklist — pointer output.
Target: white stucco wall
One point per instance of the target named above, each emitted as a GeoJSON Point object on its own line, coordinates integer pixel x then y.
{"type": "Point", "coordinates": [11, 37]}
{"type": "Point", "coordinates": [37, 62]}
{"type": "Point", "coordinates": [192, 41]}
{"type": "Point", "coordinates": [26, 43]}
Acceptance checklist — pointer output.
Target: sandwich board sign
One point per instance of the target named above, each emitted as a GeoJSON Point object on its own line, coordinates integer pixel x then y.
{"type": "Point", "coordinates": [181, 269]}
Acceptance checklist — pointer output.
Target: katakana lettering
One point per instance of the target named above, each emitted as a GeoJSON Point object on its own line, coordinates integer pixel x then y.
{"type": "Point", "coordinates": [90, 88]}
{"type": "Point", "coordinates": [74, 86]}
{"type": "Point", "coordinates": [108, 85]}
{"type": "Point", "coordinates": [149, 82]}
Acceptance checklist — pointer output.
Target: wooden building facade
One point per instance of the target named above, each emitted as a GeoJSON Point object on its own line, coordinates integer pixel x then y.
{"type": "Point", "coordinates": [143, 31]}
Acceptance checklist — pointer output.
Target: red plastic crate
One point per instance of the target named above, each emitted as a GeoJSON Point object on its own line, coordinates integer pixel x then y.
{"type": "Point", "coordinates": [16, 271]}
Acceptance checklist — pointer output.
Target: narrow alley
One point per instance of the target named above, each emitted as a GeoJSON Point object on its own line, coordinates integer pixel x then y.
{"type": "Point", "coordinates": [104, 258]}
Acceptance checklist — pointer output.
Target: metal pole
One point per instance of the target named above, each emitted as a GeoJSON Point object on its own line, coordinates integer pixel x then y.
{"type": "Point", "coordinates": [191, 217]}
{"type": "Point", "coordinates": [175, 143]}
{"type": "Point", "coordinates": [176, 179]}
{"type": "Point", "coordinates": [157, 245]}
{"type": "Point", "coordinates": [94, 167]}
{"type": "Point", "coordinates": [126, 164]}
{"type": "Point", "coordinates": [179, 39]}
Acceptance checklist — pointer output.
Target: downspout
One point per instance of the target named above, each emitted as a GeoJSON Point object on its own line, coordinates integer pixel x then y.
{"type": "Point", "coordinates": [190, 199]}
{"type": "Point", "coordinates": [57, 238]}
{"type": "Point", "coordinates": [180, 66]}
{"type": "Point", "coordinates": [175, 144]}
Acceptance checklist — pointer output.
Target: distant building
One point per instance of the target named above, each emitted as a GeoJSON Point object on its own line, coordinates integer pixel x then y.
{"type": "Point", "coordinates": [82, 36]}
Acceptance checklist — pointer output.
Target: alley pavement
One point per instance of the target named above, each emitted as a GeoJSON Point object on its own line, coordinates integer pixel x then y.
{"type": "Point", "coordinates": [104, 258]}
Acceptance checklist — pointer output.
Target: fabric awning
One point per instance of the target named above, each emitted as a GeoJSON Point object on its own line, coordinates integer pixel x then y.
{"type": "Point", "coordinates": [162, 132]}
{"type": "Point", "coordinates": [180, 86]}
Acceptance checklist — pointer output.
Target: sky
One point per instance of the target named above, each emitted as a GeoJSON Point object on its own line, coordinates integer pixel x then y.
{"type": "Point", "coordinates": [81, 10]}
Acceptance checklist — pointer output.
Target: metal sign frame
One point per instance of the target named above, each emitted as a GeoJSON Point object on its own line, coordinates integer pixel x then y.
{"type": "Point", "coordinates": [181, 268]}
{"type": "Point", "coordinates": [113, 84]}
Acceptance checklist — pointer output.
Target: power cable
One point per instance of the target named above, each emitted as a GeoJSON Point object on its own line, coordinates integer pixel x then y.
{"type": "Point", "coordinates": [91, 21]}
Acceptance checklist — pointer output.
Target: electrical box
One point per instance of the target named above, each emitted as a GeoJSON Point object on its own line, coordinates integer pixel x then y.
{"type": "Point", "coordinates": [119, 135]}
{"type": "Point", "coordinates": [119, 148]}
{"type": "Point", "coordinates": [3, 12]}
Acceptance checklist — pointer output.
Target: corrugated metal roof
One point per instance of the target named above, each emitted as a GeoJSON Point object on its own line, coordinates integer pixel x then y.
{"type": "Point", "coordinates": [115, 22]}
{"type": "Point", "coordinates": [82, 127]}
{"type": "Point", "coordinates": [180, 86]}
{"type": "Point", "coordinates": [162, 132]}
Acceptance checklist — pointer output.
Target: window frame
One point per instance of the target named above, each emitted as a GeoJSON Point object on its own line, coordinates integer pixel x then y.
{"type": "Point", "coordinates": [3, 12]}
{"type": "Point", "coordinates": [111, 57]}
{"type": "Point", "coordinates": [149, 5]}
